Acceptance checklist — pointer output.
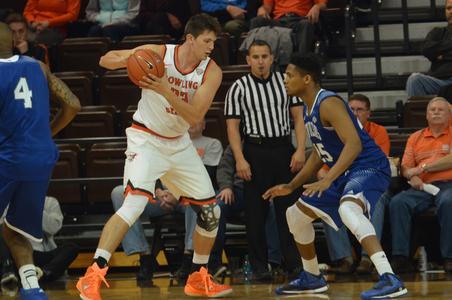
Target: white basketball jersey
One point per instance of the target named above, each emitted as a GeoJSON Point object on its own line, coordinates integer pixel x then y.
{"type": "Point", "coordinates": [155, 112]}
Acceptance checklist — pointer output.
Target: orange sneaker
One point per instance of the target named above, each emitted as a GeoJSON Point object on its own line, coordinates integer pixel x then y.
{"type": "Point", "coordinates": [201, 284]}
{"type": "Point", "coordinates": [89, 285]}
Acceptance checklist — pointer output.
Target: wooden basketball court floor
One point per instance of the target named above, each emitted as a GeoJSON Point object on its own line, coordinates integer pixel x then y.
{"type": "Point", "coordinates": [124, 286]}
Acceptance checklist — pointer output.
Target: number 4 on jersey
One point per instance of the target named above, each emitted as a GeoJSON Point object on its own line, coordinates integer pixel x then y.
{"type": "Point", "coordinates": [22, 92]}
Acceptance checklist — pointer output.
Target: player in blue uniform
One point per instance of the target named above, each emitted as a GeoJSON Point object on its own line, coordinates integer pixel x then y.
{"type": "Point", "coordinates": [27, 152]}
{"type": "Point", "coordinates": [359, 174]}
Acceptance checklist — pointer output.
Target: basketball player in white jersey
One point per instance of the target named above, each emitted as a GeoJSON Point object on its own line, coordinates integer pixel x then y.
{"type": "Point", "coordinates": [158, 146]}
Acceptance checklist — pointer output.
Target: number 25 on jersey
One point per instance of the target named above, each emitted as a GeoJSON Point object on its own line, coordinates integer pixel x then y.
{"type": "Point", "coordinates": [22, 92]}
{"type": "Point", "coordinates": [324, 155]}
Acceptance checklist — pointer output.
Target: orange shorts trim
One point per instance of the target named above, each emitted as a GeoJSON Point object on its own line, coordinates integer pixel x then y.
{"type": "Point", "coordinates": [187, 201]}
{"type": "Point", "coordinates": [137, 191]}
{"type": "Point", "coordinates": [141, 127]}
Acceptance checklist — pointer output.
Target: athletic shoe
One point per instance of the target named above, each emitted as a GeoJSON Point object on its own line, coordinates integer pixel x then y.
{"type": "Point", "coordinates": [306, 283]}
{"type": "Point", "coordinates": [89, 285]}
{"type": "Point", "coordinates": [39, 272]}
{"type": "Point", "coordinates": [365, 266]}
{"type": "Point", "coordinates": [184, 270]}
{"type": "Point", "coordinates": [9, 284]}
{"type": "Point", "coordinates": [201, 284]}
{"type": "Point", "coordinates": [218, 271]}
{"type": "Point", "coordinates": [33, 294]}
{"type": "Point", "coordinates": [343, 266]}
{"type": "Point", "coordinates": [389, 286]}
{"type": "Point", "coordinates": [147, 266]}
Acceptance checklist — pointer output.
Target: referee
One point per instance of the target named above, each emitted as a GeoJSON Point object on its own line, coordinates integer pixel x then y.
{"type": "Point", "coordinates": [260, 102]}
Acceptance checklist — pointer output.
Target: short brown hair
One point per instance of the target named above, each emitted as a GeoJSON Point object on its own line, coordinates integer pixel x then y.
{"type": "Point", "coordinates": [360, 98]}
{"type": "Point", "coordinates": [199, 23]}
{"type": "Point", "coordinates": [15, 18]}
{"type": "Point", "coordinates": [260, 43]}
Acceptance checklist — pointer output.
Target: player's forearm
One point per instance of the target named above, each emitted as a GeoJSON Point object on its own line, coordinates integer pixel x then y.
{"type": "Point", "coordinates": [311, 167]}
{"type": "Point", "coordinates": [349, 153]}
{"type": "Point", "coordinates": [191, 114]}
{"type": "Point", "coordinates": [113, 60]}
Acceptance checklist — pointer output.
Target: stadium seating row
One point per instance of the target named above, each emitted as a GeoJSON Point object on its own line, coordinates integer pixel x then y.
{"type": "Point", "coordinates": [106, 121]}
{"type": "Point", "coordinates": [115, 88]}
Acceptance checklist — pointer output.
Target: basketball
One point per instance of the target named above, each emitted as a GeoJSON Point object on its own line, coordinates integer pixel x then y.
{"type": "Point", "coordinates": [143, 62]}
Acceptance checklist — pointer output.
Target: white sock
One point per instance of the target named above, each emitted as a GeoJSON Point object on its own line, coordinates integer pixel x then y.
{"type": "Point", "coordinates": [102, 253]}
{"type": "Point", "coordinates": [381, 263]}
{"type": "Point", "coordinates": [311, 265]}
{"type": "Point", "coordinates": [200, 259]}
{"type": "Point", "coordinates": [28, 277]}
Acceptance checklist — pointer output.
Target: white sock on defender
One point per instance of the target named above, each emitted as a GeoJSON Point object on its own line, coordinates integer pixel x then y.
{"type": "Point", "coordinates": [311, 265]}
{"type": "Point", "coordinates": [28, 277]}
{"type": "Point", "coordinates": [381, 263]}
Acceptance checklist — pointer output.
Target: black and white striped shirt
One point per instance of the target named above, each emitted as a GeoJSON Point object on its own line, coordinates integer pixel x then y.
{"type": "Point", "coordinates": [263, 105]}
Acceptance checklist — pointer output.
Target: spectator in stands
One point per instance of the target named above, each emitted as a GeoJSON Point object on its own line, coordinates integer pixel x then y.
{"type": "Point", "coordinates": [163, 17]}
{"type": "Point", "coordinates": [112, 18]}
{"type": "Point", "coordinates": [338, 242]}
{"type": "Point", "coordinates": [52, 260]}
{"type": "Point", "coordinates": [231, 14]}
{"type": "Point", "coordinates": [49, 18]}
{"type": "Point", "coordinates": [231, 201]}
{"type": "Point", "coordinates": [259, 101]}
{"type": "Point", "coordinates": [427, 160]}
{"type": "Point", "coordinates": [135, 239]}
{"type": "Point", "coordinates": [300, 15]}
{"type": "Point", "coordinates": [438, 49]}
{"type": "Point", "coordinates": [22, 45]}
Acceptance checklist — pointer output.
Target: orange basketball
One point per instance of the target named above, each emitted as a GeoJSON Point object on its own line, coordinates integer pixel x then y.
{"type": "Point", "coordinates": [143, 62]}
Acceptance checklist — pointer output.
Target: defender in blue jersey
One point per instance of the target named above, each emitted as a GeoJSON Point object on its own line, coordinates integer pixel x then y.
{"type": "Point", "coordinates": [27, 152]}
{"type": "Point", "coordinates": [359, 174]}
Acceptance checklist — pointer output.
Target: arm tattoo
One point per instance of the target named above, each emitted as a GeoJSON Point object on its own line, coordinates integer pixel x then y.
{"type": "Point", "coordinates": [61, 91]}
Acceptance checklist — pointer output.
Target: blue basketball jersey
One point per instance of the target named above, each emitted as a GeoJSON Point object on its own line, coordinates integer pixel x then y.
{"type": "Point", "coordinates": [328, 144]}
{"type": "Point", "coordinates": [27, 151]}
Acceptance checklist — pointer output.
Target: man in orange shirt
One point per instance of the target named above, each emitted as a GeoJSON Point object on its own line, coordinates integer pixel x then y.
{"type": "Point", "coordinates": [427, 160]}
{"type": "Point", "coordinates": [49, 18]}
{"type": "Point", "coordinates": [300, 15]}
{"type": "Point", "coordinates": [338, 242]}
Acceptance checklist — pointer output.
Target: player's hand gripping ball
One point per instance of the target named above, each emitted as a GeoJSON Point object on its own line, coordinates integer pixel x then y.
{"type": "Point", "coordinates": [143, 62]}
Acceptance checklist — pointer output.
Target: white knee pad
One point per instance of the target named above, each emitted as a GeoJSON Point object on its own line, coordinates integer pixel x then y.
{"type": "Point", "coordinates": [352, 216]}
{"type": "Point", "coordinates": [132, 208]}
{"type": "Point", "coordinates": [300, 225]}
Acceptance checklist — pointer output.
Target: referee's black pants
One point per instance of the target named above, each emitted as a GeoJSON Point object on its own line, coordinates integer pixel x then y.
{"type": "Point", "coordinates": [270, 165]}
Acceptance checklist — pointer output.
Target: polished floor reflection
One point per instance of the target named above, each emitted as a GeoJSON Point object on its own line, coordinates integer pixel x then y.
{"type": "Point", "coordinates": [123, 286]}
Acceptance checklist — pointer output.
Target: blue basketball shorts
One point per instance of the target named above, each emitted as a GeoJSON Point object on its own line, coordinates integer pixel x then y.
{"type": "Point", "coordinates": [26, 203]}
{"type": "Point", "coordinates": [364, 184]}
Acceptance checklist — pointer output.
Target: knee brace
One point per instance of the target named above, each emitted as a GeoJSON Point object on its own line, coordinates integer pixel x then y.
{"type": "Point", "coordinates": [352, 216]}
{"type": "Point", "coordinates": [208, 218]}
{"type": "Point", "coordinates": [132, 208]}
{"type": "Point", "coordinates": [300, 225]}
